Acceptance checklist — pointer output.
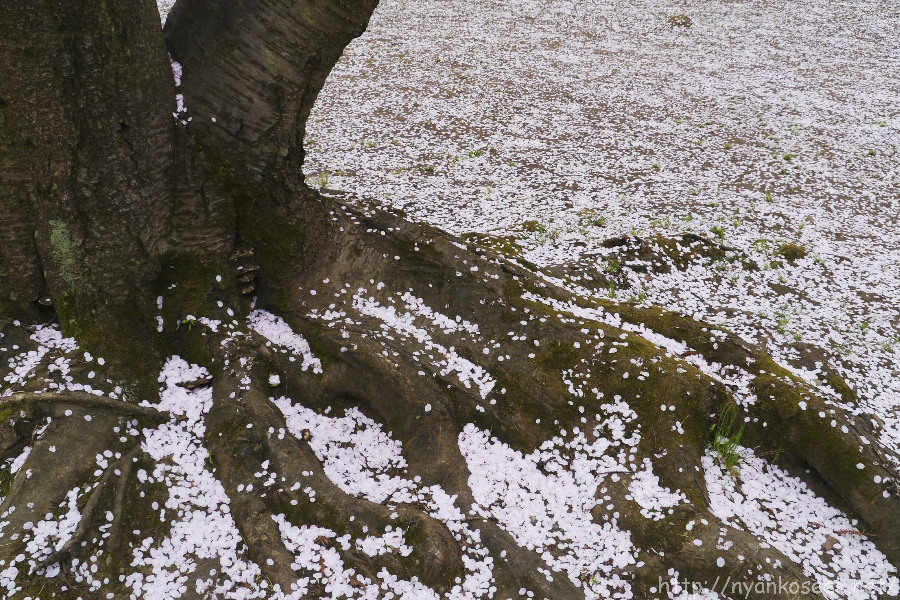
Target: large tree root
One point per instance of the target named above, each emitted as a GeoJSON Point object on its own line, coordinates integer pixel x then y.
{"type": "Point", "coordinates": [57, 401]}
{"type": "Point", "coordinates": [538, 390]}
{"type": "Point", "coordinates": [87, 517]}
{"type": "Point", "coordinates": [803, 429]}
{"type": "Point", "coordinates": [776, 422]}
{"type": "Point", "coordinates": [124, 218]}
{"type": "Point", "coordinates": [62, 459]}
{"type": "Point", "coordinates": [304, 494]}
{"type": "Point", "coordinates": [395, 395]}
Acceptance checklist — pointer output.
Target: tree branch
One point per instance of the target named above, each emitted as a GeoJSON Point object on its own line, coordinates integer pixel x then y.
{"type": "Point", "coordinates": [252, 70]}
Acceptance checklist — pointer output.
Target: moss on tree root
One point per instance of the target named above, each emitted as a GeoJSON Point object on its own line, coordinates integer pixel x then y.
{"type": "Point", "coordinates": [136, 209]}
{"type": "Point", "coordinates": [536, 405]}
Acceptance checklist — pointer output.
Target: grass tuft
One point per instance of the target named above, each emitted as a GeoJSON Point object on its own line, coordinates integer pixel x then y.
{"type": "Point", "coordinates": [726, 439]}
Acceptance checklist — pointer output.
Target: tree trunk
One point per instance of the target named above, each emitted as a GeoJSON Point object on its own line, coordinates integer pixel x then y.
{"type": "Point", "coordinates": [85, 164]}
{"type": "Point", "coordinates": [154, 235]}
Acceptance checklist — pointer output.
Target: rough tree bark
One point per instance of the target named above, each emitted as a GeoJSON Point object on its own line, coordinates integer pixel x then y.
{"type": "Point", "coordinates": [128, 224]}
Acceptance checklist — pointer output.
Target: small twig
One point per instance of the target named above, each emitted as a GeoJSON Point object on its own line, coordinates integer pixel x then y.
{"type": "Point", "coordinates": [85, 399]}
{"type": "Point", "coordinates": [477, 519]}
{"type": "Point", "coordinates": [853, 532]}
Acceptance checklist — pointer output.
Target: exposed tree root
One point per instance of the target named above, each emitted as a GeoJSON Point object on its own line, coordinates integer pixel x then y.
{"type": "Point", "coordinates": [62, 459]}
{"type": "Point", "coordinates": [120, 220]}
{"type": "Point", "coordinates": [115, 532]}
{"type": "Point", "coordinates": [352, 378]}
{"type": "Point", "coordinates": [669, 543]}
{"type": "Point", "coordinates": [238, 452]}
{"type": "Point", "coordinates": [388, 377]}
{"type": "Point", "coordinates": [803, 429]}
{"type": "Point", "coordinates": [58, 399]}
{"type": "Point", "coordinates": [395, 395]}
{"type": "Point", "coordinates": [87, 520]}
